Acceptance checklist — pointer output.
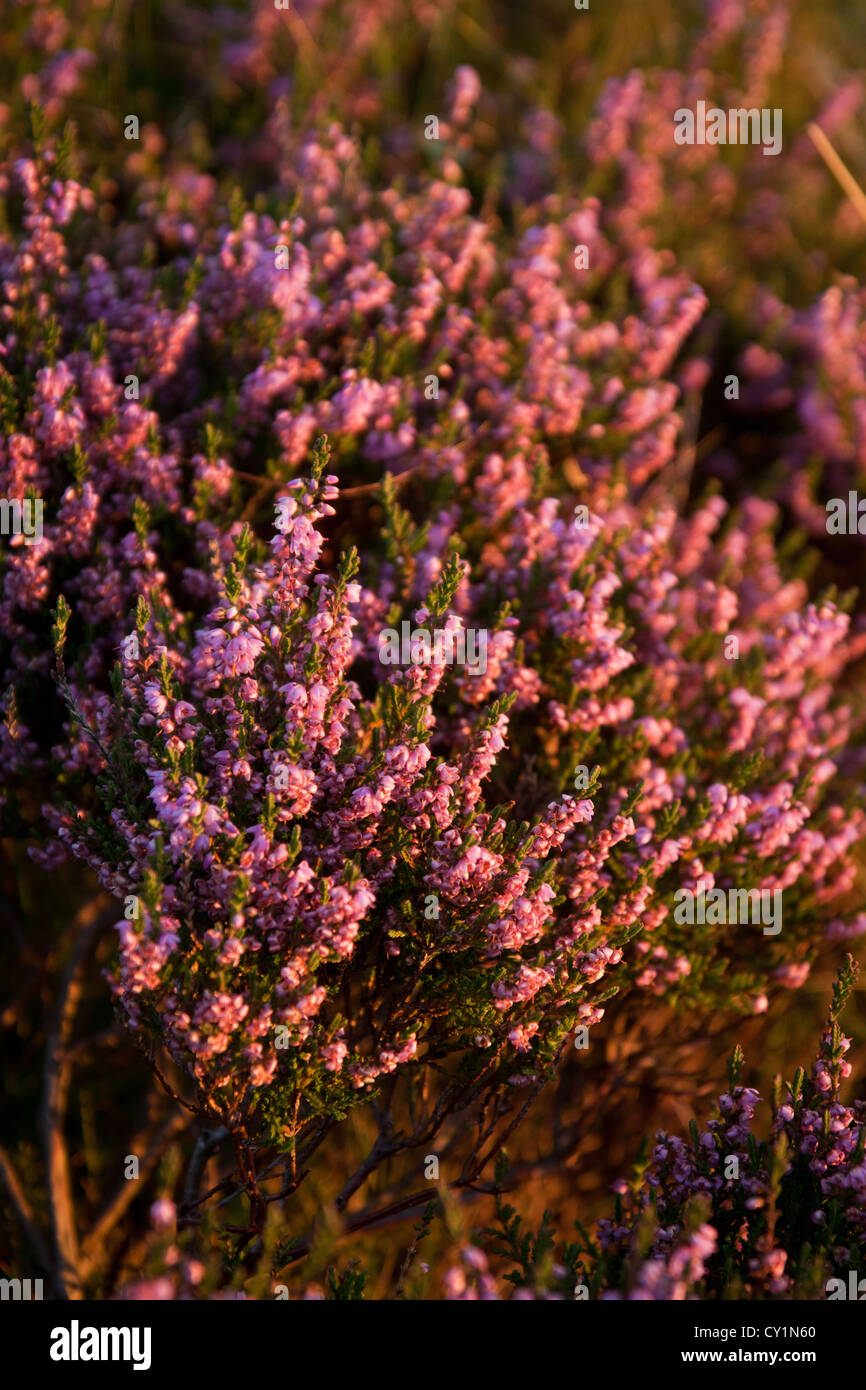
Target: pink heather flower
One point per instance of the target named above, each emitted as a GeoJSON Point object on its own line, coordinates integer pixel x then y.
{"type": "Point", "coordinates": [465, 91]}
{"type": "Point", "coordinates": [521, 1038]}
{"type": "Point", "coordinates": [163, 1213]}
{"type": "Point", "coordinates": [334, 1054]}
{"type": "Point", "coordinates": [154, 699]}
{"type": "Point", "coordinates": [792, 976]}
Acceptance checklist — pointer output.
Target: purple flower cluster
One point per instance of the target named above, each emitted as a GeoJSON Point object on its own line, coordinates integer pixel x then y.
{"type": "Point", "coordinates": [304, 816]}
{"type": "Point", "coordinates": [403, 325]}
{"type": "Point", "coordinates": [722, 1214]}
{"type": "Point", "coordinates": [785, 1215]}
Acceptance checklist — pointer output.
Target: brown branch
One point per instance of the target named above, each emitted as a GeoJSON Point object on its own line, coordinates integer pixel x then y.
{"type": "Point", "coordinates": [92, 922]}
{"type": "Point", "coordinates": [206, 1146]}
{"type": "Point", "coordinates": [93, 1247]}
{"type": "Point", "coordinates": [387, 1144]}
{"type": "Point", "coordinates": [318, 1131]}
{"type": "Point", "coordinates": [363, 489]}
{"type": "Point", "coordinates": [475, 1164]}
{"type": "Point", "coordinates": [399, 1210]}
{"type": "Point", "coordinates": [169, 1089]}
{"type": "Point", "coordinates": [24, 1213]}
{"type": "Point", "coordinates": [269, 485]}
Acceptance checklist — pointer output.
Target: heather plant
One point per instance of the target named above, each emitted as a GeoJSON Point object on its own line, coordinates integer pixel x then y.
{"type": "Point", "coordinates": [152, 409]}
{"type": "Point", "coordinates": [745, 57]}
{"type": "Point", "coordinates": [804, 377]}
{"type": "Point", "coordinates": [506, 381]}
{"type": "Point", "coordinates": [782, 358]}
{"type": "Point", "coordinates": [278, 386]}
{"type": "Point", "coordinates": [321, 895]}
{"type": "Point", "coordinates": [722, 1214]}
{"type": "Point", "coordinates": [171, 364]}
{"type": "Point", "coordinates": [727, 1213]}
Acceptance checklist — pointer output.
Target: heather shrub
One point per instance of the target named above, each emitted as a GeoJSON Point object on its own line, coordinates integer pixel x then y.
{"type": "Point", "coordinates": [156, 355]}
{"type": "Point", "coordinates": [737, 1210]}
{"type": "Point", "coordinates": [722, 1214]}
{"type": "Point", "coordinates": [785, 318]}
{"type": "Point", "coordinates": [320, 890]}
{"type": "Point", "coordinates": [151, 408]}
{"type": "Point", "coordinates": [384, 653]}
{"type": "Point", "coordinates": [805, 379]}
{"type": "Point", "coordinates": [678, 195]}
